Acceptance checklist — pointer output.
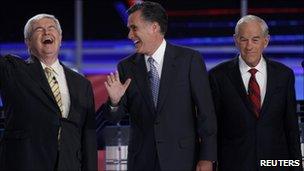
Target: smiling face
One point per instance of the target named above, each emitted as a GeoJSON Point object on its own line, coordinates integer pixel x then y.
{"type": "Point", "coordinates": [45, 39]}
{"type": "Point", "coordinates": [251, 42]}
{"type": "Point", "coordinates": [145, 35]}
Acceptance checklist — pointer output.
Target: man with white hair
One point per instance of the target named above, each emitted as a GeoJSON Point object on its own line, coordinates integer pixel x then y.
{"type": "Point", "coordinates": [49, 108]}
{"type": "Point", "coordinates": [255, 104]}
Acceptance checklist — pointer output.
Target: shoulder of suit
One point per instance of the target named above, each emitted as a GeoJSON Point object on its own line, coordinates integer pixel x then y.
{"type": "Point", "coordinates": [129, 58]}
{"type": "Point", "coordinates": [278, 65]}
{"type": "Point", "coordinates": [11, 61]}
{"type": "Point", "coordinates": [180, 49]}
{"type": "Point", "coordinates": [74, 74]}
{"type": "Point", "coordinates": [12, 58]}
{"type": "Point", "coordinates": [223, 66]}
{"type": "Point", "coordinates": [279, 69]}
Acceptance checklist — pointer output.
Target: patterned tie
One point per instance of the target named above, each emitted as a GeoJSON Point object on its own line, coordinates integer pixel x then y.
{"type": "Point", "coordinates": [154, 80]}
{"type": "Point", "coordinates": [49, 72]}
{"type": "Point", "coordinates": [254, 92]}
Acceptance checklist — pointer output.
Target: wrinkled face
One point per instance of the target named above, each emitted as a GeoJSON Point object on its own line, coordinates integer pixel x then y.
{"type": "Point", "coordinates": [142, 33]}
{"type": "Point", "coordinates": [251, 42]}
{"type": "Point", "coordinates": [45, 39]}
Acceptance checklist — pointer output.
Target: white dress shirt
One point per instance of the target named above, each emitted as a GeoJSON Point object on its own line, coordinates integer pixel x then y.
{"type": "Point", "coordinates": [63, 86]}
{"type": "Point", "coordinates": [158, 57]}
{"type": "Point", "coordinates": [261, 75]}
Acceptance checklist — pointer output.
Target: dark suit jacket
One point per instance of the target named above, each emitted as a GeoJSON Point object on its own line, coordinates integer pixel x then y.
{"type": "Point", "coordinates": [32, 120]}
{"type": "Point", "coordinates": [244, 140]}
{"type": "Point", "coordinates": [184, 112]}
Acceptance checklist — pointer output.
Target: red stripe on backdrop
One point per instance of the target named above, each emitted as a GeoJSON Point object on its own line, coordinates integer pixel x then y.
{"type": "Point", "coordinates": [99, 90]}
{"type": "Point", "coordinates": [203, 12]}
{"type": "Point", "coordinates": [100, 96]}
{"type": "Point", "coordinates": [233, 11]}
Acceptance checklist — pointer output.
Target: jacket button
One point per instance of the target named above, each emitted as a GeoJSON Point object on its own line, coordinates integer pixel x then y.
{"type": "Point", "coordinates": [78, 154]}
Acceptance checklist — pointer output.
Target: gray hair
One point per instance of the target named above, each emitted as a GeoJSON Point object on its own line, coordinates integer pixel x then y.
{"type": "Point", "coordinates": [250, 18]}
{"type": "Point", "coordinates": [28, 26]}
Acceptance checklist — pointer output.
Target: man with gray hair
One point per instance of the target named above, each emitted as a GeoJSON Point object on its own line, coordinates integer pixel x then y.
{"type": "Point", "coordinates": [255, 104]}
{"type": "Point", "coordinates": [49, 108]}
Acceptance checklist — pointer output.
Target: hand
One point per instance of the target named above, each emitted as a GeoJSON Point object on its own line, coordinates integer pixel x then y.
{"type": "Point", "coordinates": [115, 88]}
{"type": "Point", "coordinates": [204, 165]}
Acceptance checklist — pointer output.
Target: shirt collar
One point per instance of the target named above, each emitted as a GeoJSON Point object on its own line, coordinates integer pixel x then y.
{"type": "Point", "coordinates": [261, 67]}
{"type": "Point", "coordinates": [158, 55]}
{"type": "Point", "coordinates": [55, 66]}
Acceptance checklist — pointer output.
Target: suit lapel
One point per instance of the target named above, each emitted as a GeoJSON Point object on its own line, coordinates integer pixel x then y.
{"type": "Point", "coordinates": [166, 77]}
{"type": "Point", "coordinates": [270, 87]}
{"type": "Point", "coordinates": [72, 87]}
{"type": "Point", "coordinates": [37, 74]}
{"type": "Point", "coordinates": [141, 78]}
{"type": "Point", "coordinates": [236, 79]}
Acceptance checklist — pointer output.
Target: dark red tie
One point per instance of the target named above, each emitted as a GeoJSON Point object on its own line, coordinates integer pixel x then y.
{"type": "Point", "coordinates": [254, 92]}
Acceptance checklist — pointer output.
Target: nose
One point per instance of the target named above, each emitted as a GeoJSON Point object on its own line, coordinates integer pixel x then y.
{"type": "Point", "coordinates": [130, 34]}
{"type": "Point", "coordinates": [249, 45]}
{"type": "Point", "coordinates": [45, 31]}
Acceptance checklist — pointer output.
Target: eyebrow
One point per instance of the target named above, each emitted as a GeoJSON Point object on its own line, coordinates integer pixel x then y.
{"type": "Point", "coordinates": [37, 28]}
{"type": "Point", "coordinates": [132, 26]}
{"type": "Point", "coordinates": [255, 37]}
{"type": "Point", "coordinates": [51, 26]}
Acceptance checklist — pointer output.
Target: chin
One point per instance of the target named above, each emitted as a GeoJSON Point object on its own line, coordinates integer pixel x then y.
{"type": "Point", "coordinates": [138, 51]}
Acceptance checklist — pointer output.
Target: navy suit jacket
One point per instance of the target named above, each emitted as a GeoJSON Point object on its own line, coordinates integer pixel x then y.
{"type": "Point", "coordinates": [244, 140]}
{"type": "Point", "coordinates": [33, 119]}
{"type": "Point", "coordinates": [182, 129]}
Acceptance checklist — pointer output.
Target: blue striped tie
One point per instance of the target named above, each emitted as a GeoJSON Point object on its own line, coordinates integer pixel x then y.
{"type": "Point", "coordinates": [154, 80]}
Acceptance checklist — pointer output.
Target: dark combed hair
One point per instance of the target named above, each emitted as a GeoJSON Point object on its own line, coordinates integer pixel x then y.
{"type": "Point", "coordinates": [152, 12]}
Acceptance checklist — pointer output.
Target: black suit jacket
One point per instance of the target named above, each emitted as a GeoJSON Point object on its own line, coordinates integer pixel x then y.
{"type": "Point", "coordinates": [244, 140]}
{"type": "Point", "coordinates": [184, 113]}
{"type": "Point", "coordinates": [32, 120]}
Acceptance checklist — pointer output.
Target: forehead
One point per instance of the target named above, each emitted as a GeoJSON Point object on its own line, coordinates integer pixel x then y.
{"type": "Point", "coordinates": [44, 21]}
{"type": "Point", "coordinates": [135, 18]}
{"type": "Point", "coordinates": [250, 28]}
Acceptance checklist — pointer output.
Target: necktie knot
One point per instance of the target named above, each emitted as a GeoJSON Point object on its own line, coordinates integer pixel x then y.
{"type": "Point", "coordinates": [151, 60]}
{"type": "Point", "coordinates": [253, 71]}
{"type": "Point", "coordinates": [48, 71]}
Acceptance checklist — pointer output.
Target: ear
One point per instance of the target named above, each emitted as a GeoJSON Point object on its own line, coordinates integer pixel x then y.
{"type": "Point", "coordinates": [267, 38]}
{"type": "Point", "coordinates": [155, 27]}
{"type": "Point", "coordinates": [236, 41]}
{"type": "Point", "coordinates": [27, 42]}
{"type": "Point", "coordinates": [60, 40]}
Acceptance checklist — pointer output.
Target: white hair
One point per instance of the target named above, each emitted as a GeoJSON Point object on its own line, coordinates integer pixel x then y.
{"type": "Point", "coordinates": [250, 18]}
{"type": "Point", "coordinates": [28, 28]}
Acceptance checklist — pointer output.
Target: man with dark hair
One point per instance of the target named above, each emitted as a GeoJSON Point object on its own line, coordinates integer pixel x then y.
{"type": "Point", "coordinates": [165, 89]}
{"type": "Point", "coordinates": [254, 99]}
